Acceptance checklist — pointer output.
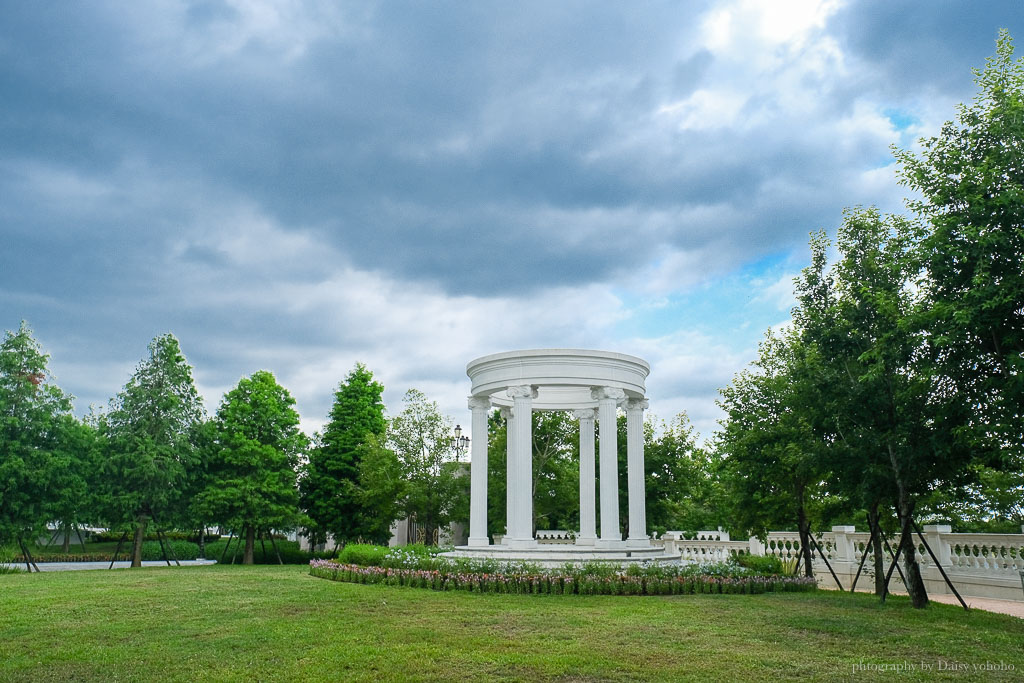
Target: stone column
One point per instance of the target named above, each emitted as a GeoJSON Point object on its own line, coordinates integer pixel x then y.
{"type": "Point", "coordinates": [635, 472]}
{"type": "Point", "coordinates": [510, 465]}
{"type": "Point", "coordinates": [607, 398]}
{"type": "Point", "coordinates": [588, 509]}
{"type": "Point", "coordinates": [478, 472]}
{"type": "Point", "coordinates": [521, 480]}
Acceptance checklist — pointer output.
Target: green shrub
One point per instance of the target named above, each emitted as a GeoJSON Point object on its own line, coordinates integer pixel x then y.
{"type": "Point", "coordinates": [176, 550]}
{"type": "Point", "coordinates": [8, 557]}
{"type": "Point", "coordinates": [767, 565]}
{"type": "Point", "coordinates": [363, 554]}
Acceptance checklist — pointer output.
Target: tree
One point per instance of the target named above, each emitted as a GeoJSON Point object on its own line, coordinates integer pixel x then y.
{"type": "Point", "coordinates": [772, 458]}
{"type": "Point", "coordinates": [76, 459]}
{"type": "Point", "coordinates": [330, 488]}
{"type": "Point", "coordinates": [34, 417]}
{"type": "Point", "coordinates": [682, 485]}
{"type": "Point", "coordinates": [419, 436]}
{"type": "Point", "coordinates": [382, 488]}
{"type": "Point", "coordinates": [971, 181]}
{"type": "Point", "coordinates": [251, 484]}
{"type": "Point", "coordinates": [151, 429]}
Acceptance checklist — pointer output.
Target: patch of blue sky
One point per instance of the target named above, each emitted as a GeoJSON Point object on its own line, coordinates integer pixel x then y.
{"type": "Point", "coordinates": [905, 123]}
{"type": "Point", "coordinates": [735, 310]}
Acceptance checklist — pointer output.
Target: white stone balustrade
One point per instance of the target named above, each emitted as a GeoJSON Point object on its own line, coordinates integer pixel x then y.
{"type": "Point", "coordinates": [979, 565]}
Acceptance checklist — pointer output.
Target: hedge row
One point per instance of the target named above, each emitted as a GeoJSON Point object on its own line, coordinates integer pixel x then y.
{"type": "Point", "coordinates": [557, 583]}
{"type": "Point", "coordinates": [186, 550]}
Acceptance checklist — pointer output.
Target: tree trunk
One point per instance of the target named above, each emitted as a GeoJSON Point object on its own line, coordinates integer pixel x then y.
{"type": "Point", "coordinates": [905, 511]}
{"type": "Point", "coordinates": [804, 527]}
{"type": "Point", "coordinates": [66, 546]}
{"type": "Point", "coordinates": [876, 548]}
{"type": "Point", "coordinates": [202, 542]}
{"type": "Point", "coordinates": [140, 535]}
{"type": "Point", "coordinates": [250, 542]}
{"type": "Point", "coordinates": [912, 570]}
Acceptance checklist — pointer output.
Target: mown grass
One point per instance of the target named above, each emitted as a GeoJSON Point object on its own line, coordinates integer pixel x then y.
{"type": "Point", "coordinates": [279, 623]}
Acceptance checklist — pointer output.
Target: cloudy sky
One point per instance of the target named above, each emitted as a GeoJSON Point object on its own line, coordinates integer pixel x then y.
{"type": "Point", "coordinates": [297, 186]}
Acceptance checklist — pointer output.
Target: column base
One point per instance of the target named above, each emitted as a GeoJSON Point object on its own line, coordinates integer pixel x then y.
{"type": "Point", "coordinates": [642, 542]}
{"type": "Point", "coordinates": [610, 543]}
{"type": "Point", "coordinates": [586, 540]}
{"type": "Point", "coordinates": [476, 542]}
{"type": "Point", "coordinates": [519, 543]}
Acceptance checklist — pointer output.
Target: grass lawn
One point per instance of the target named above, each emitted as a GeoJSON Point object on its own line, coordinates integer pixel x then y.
{"type": "Point", "coordinates": [270, 622]}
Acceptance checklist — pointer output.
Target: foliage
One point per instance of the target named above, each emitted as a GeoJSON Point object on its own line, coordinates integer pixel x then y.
{"type": "Point", "coordinates": [180, 550]}
{"type": "Point", "coordinates": [772, 457]}
{"type": "Point", "coordinates": [419, 437]}
{"type": "Point", "coordinates": [971, 184]}
{"type": "Point", "coordinates": [330, 486]}
{"type": "Point", "coordinates": [251, 481]}
{"type": "Point", "coordinates": [363, 554]}
{"type": "Point", "coordinates": [36, 427]}
{"type": "Point", "coordinates": [8, 559]}
{"type": "Point", "coordinates": [151, 430]}
{"type": "Point", "coordinates": [769, 565]}
{"type": "Point", "coordinates": [556, 582]}
{"type": "Point", "coordinates": [682, 485]}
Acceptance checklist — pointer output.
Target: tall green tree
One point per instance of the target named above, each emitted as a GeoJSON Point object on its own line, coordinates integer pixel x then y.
{"type": "Point", "coordinates": [151, 429]}
{"type": "Point", "coordinates": [35, 416]}
{"type": "Point", "coordinates": [251, 482]}
{"type": "Point", "coordinates": [331, 494]}
{"type": "Point", "coordinates": [382, 488]}
{"type": "Point", "coordinates": [772, 458]}
{"type": "Point", "coordinates": [77, 458]}
{"type": "Point", "coordinates": [971, 183]}
{"type": "Point", "coordinates": [420, 438]}
{"type": "Point", "coordinates": [897, 416]}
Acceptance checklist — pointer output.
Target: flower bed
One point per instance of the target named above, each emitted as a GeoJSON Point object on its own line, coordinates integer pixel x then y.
{"type": "Point", "coordinates": [558, 582]}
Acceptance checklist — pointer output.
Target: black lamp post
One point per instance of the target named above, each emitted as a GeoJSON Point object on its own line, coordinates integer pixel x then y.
{"type": "Point", "coordinates": [459, 443]}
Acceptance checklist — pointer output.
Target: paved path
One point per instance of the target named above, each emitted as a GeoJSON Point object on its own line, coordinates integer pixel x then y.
{"type": "Point", "coordinates": [121, 564]}
{"type": "Point", "coordinates": [1014, 608]}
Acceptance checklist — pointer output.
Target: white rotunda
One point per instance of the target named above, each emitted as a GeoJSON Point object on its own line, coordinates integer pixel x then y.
{"type": "Point", "coordinates": [592, 385]}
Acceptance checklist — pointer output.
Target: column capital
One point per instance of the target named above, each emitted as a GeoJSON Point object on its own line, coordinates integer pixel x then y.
{"type": "Point", "coordinates": [637, 404]}
{"type": "Point", "coordinates": [506, 412]}
{"type": "Point", "coordinates": [523, 391]}
{"type": "Point", "coordinates": [479, 403]}
{"type": "Point", "coordinates": [585, 414]}
{"type": "Point", "coordinates": [598, 393]}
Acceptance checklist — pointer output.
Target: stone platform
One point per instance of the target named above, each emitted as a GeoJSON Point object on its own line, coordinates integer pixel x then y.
{"type": "Point", "coordinates": [552, 555]}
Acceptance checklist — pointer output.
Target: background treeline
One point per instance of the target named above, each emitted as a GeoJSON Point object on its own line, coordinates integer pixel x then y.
{"type": "Point", "coordinates": [155, 461]}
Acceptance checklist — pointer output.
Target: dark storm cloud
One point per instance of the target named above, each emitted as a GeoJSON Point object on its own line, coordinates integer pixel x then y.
{"type": "Point", "coordinates": [914, 46]}
{"type": "Point", "coordinates": [277, 183]}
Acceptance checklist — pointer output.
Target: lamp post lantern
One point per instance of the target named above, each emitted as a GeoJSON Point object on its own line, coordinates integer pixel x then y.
{"type": "Point", "coordinates": [459, 443]}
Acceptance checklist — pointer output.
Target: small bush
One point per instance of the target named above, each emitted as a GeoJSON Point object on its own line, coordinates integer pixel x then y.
{"type": "Point", "coordinates": [176, 550]}
{"type": "Point", "coordinates": [363, 554]}
{"type": "Point", "coordinates": [768, 565]}
{"type": "Point", "coordinates": [8, 557]}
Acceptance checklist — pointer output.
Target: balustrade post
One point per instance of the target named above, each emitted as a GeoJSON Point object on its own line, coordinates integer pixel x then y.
{"type": "Point", "coordinates": [933, 534]}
